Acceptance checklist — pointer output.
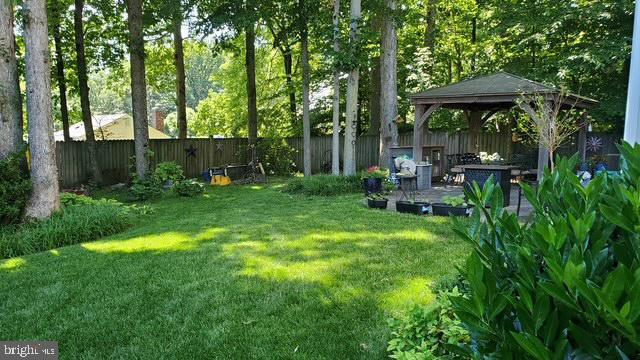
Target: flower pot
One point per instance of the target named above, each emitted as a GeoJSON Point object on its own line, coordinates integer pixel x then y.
{"type": "Point", "coordinates": [417, 207]}
{"type": "Point", "coordinates": [441, 209]}
{"type": "Point", "coordinates": [372, 185]}
{"type": "Point", "coordinates": [377, 203]}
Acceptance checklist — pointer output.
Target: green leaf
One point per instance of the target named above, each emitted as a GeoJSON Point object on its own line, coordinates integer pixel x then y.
{"type": "Point", "coordinates": [532, 345]}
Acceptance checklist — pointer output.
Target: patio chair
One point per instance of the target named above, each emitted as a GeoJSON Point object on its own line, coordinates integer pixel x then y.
{"type": "Point", "coordinates": [454, 173]}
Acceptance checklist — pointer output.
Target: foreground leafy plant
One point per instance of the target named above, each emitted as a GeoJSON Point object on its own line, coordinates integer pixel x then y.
{"type": "Point", "coordinates": [428, 333]}
{"type": "Point", "coordinates": [566, 285]}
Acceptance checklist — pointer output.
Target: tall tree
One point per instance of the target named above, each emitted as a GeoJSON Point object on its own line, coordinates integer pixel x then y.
{"type": "Point", "coordinates": [56, 16]}
{"type": "Point", "coordinates": [335, 138]}
{"type": "Point", "coordinates": [352, 93]}
{"type": "Point", "coordinates": [306, 122]}
{"type": "Point", "coordinates": [181, 91]}
{"type": "Point", "coordinates": [45, 198]}
{"type": "Point", "coordinates": [138, 86]}
{"type": "Point", "coordinates": [280, 17]}
{"type": "Point", "coordinates": [389, 84]}
{"type": "Point", "coordinates": [83, 87]}
{"type": "Point", "coordinates": [252, 105]}
{"type": "Point", "coordinates": [10, 102]}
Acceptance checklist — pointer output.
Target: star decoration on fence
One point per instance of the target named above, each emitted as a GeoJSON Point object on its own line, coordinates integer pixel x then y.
{"type": "Point", "coordinates": [219, 146]}
{"type": "Point", "coordinates": [191, 151]}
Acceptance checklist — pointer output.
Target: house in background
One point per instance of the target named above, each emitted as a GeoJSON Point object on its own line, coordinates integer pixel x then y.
{"type": "Point", "coordinates": [115, 127]}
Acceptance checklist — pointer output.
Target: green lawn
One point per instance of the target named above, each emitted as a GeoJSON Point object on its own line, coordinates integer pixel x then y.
{"type": "Point", "coordinates": [242, 272]}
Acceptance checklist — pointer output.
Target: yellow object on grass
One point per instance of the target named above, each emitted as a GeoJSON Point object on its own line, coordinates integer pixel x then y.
{"type": "Point", "coordinates": [220, 180]}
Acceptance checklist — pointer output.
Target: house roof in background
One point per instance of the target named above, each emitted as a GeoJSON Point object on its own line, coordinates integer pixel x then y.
{"type": "Point", "coordinates": [76, 131]}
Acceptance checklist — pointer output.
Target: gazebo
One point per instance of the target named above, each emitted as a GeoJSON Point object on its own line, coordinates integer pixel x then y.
{"type": "Point", "coordinates": [482, 97]}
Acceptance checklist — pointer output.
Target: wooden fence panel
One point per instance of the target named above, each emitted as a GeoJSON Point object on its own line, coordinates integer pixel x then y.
{"type": "Point", "coordinates": [114, 156]}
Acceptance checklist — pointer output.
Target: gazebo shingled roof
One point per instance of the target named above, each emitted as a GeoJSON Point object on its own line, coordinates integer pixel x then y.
{"type": "Point", "coordinates": [499, 90]}
{"type": "Point", "coordinates": [483, 96]}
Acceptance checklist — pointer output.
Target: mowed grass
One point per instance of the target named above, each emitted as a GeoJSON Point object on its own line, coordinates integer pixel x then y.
{"type": "Point", "coordinates": [241, 272]}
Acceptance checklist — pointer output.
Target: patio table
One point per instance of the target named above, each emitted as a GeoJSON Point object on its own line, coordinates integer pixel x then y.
{"type": "Point", "coordinates": [480, 173]}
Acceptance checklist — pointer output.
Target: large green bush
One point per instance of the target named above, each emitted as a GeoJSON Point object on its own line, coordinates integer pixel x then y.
{"type": "Point", "coordinates": [277, 156]}
{"type": "Point", "coordinates": [81, 219]}
{"type": "Point", "coordinates": [324, 185]}
{"type": "Point", "coordinates": [15, 188]}
{"type": "Point", "coordinates": [567, 284]}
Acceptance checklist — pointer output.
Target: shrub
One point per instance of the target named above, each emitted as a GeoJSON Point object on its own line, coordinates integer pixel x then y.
{"type": "Point", "coordinates": [428, 333]}
{"type": "Point", "coordinates": [146, 189]}
{"type": "Point", "coordinates": [566, 285]}
{"type": "Point", "coordinates": [168, 171]}
{"type": "Point", "coordinates": [188, 188]}
{"type": "Point", "coordinates": [82, 219]}
{"type": "Point", "coordinates": [277, 156]}
{"type": "Point", "coordinates": [15, 188]}
{"type": "Point", "coordinates": [324, 185]}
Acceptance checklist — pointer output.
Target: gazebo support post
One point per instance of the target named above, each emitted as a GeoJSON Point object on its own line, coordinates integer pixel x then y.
{"type": "Point", "coordinates": [417, 132]}
{"type": "Point", "coordinates": [475, 127]}
{"type": "Point", "coordinates": [582, 137]}
{"type": "Point", "coordinates": [422, 115]}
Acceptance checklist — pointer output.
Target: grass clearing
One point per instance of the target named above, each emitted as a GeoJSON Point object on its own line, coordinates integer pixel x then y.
{"type": "Point", "coordinates": [241, 272]}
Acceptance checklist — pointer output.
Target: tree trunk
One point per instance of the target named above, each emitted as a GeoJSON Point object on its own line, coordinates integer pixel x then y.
{"type": "Point", "coordinates": [335, 138]}
{"type": "Point", "coordinates": [474, 37]}
{"type": "Point", "coordinates": [62, 82]}
{"type": "Point", "coordinates": [45, 197]}
{"type": "Point", "coordinates": [181, 88]}
{"type": "Point", "coordinates": [389, 85]}
{"type": "Point", "coordinates": [352, 98]}
{"type": "Point", "coordinates": [83, 86]}
{"type": "Point", "coordinates": [288, 71]}
{"type": "Point", "coordinates": [374, 98]}
{"type": "Point", "coordinates": [306, 122]}
{"type": "Point", "coordinates": [10, 102]}
{"type": "Point", "coordinates": [252, 107]}
{"type": "Point", "coordinates": [138, 87]}
{"type": "Point", "coordinates": [430, 34]}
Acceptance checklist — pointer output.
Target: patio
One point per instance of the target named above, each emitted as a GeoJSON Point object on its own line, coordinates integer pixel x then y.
{"type": "Point", "coordinates": [438, 191]}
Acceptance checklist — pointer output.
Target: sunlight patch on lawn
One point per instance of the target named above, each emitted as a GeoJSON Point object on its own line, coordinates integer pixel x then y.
{"type": "Point", "coordinates": [270, 261]}
{"type": "Point", "coordinates": [12, 264]}
{"type": "Point", "coordinates": [168, 241]}
{"type": "Point", "coordinates": [412, 292]}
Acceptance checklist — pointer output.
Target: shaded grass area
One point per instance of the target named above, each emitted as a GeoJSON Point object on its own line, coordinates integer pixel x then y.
{"type": "Point", "coordinates": [242, 272]}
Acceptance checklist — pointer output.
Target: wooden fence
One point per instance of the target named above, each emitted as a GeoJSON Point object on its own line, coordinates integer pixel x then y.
{"type": "Point", "coordinates": [115, 157]}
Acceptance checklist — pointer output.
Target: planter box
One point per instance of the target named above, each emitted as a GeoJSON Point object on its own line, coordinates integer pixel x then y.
{"type": "Point", "coordinates": [441, 209]}
{"type": "Point", "coordinates": [377, 203]}
{"type": "Point", "coordinates": [418, 207]}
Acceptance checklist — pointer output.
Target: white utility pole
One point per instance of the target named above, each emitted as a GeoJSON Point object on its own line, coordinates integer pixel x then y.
{"type": "Point", "coordinates": [632, 119]}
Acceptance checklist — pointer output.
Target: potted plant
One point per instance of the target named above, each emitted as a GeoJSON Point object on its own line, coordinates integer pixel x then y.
{"type": "Point", "coordinates": [451, 205]}
{"type": "Point", "coordinates": [413, 206]}
{"type": "Point", "coordinates": [377, 201]}
{"type": "Point", "coordinates": [372, 179]}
